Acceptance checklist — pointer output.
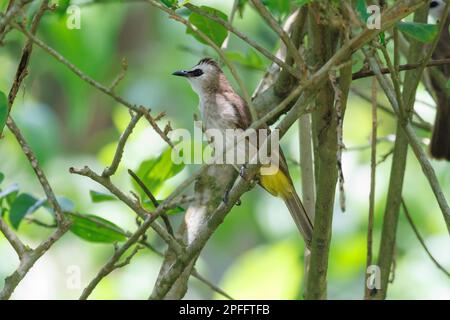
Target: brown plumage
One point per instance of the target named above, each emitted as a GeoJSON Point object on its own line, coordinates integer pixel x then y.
{"type": "Point", "coordinates": [222, 108]}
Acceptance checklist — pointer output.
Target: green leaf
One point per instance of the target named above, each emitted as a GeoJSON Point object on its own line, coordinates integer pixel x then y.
{"type": "Point", "coordinates": [154, 172]}
{"type": "Point", "coordinates": [170, 3]}
{"type": "Point", "coordinates": [382, 37]}
{"type": "Point", "coordinates": [2, 177]}
{"type": "Point", "coordinates": [251, 60]}
{"type": "Point", "coordinates": [420, 31]}
{"type": "Point", "coordinates": [240, 7]}
{"type": "Point", "coordinates": [3, 110]}
{"type": "Point", "coordinates": [148, 205]}
{"type": "Point", "coordinates": [278, 8]}
{"type": "Point", "coordinates": [361, 8]}
{"type": "Point", "coordinates": [216, 32]}
{"type": "Point", "coordinates": [100, 197]}
{"type": "Point", "coordinates": [11, 189]}
{"type": "Point", "coordinates": [61, 10]}
{"type": "Point", "coordinates": [96, 229]}
{"type": "Point", "coordinates": [24, 204]}
{"type": "Point", "coordinates": [301, 2]}
{"type": "Point", "coordinates": [448, 84]}
{"type": "Point", "coordinates": [65, 203]}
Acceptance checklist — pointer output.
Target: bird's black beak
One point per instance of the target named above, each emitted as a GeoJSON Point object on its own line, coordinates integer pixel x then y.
{"type": "Point", "coordinates": [181, 73]}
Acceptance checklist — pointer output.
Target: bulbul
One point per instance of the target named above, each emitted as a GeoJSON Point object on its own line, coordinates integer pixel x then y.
{"type": "Point", "coordinates": [440, 140]}
{"type": "Point", "coordinates": [222, 108]}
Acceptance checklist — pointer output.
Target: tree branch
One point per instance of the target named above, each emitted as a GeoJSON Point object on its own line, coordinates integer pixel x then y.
{"type": "Point", "coordinates": [267, 16]}
{"type": "Point", "coordinates": [13, 240]}
{"type": "Point", "coordinates": [421, 240]}
{"type": "Point", "coordinates": [246, 39]}
{"type": "Point", "coordinates": [405, 67]}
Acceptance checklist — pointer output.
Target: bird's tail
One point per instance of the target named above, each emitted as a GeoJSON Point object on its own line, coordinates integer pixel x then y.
{"type": "Point", "coordinates": [301, 218]}
{"type": "Point", "coordinates": [440, 140]}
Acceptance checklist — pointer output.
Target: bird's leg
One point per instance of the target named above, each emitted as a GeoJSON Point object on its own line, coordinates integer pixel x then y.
{"type": "Point", "coordinates": [242, 172]}
{"type": "Point", "coordinates": [225, 196]}
{"type": "Point", "coordinates": [253, 181]}
{"type": "Point", "coordinates": [230, 185]}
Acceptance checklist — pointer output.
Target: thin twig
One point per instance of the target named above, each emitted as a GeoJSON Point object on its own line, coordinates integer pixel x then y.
{"type": "Point", "coordinates": [373, 168]}
{"type": "Point", "coordinates": [246, 39]}
{"type": "Point", "coordinates": [13, 239]}
{"type": "Point", "coordinates": [415, 144]}
{"type": "Point", "coordinates": [111, 265]}
{"type": "Point", "coordinates": [121, 75]}
{"type": "Point", "coordinates": [37, 169]}
{"type": "Point", "coordinates": [109, 171]}
{"type": "Point", "coordinates": [369, 73]}
{"type": "Point", "coordinates": [133, 205]}
{"type": "Point", "coordinates": [421, 240]}
{"type": "Point", "coordinates": [420, 125]}
{"type": "Point", "coordinates": [230, 21]}
{"type": "Point", "coordinates": [267, 16]}
{"type": "Point", "coordinates": [86, 78]}
{"type": "Point", "coordinates": [173, 15]}
{"type": "Point", "coordinates": [152, 198]}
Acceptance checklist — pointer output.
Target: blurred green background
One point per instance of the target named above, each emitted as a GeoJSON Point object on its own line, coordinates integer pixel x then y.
{"type": "Point", "coordinates": [257, 252]}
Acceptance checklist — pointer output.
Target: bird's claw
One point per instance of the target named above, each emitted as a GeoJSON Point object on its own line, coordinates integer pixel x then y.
{"type": "Point", "coordinates": [226, 198]}
{"type": "Point", "coordinates": [242, 172]}
{"type": "Point", "coordinates": [253, 181]}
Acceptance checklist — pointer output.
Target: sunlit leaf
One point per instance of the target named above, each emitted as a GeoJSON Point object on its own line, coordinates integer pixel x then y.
{"type": "Point", "coordinates": [170, 3]}
{"type": "Point", "coordinates": [420, 31]}
{"type": "Point", "coordinates": [23, 205]}
{"type": "Point", "coordinates": [154, 172]}
{"type": "Point", "coordinates": [251, 60]}
{"type": "Point", "coordinates": [96, 229]}
{"type": "Point", "coordinates": [215, 31]}
{"type": "Point", "coordinates": [361, 8]}
{"type": "Point", "coordinates": [3, 110]}
{"type": "Point", "coordinates": [62, 6]}
{"type": "Point", "coordinates": [100, 197]}
{"type": "Point", "coordinates": [278, 8]}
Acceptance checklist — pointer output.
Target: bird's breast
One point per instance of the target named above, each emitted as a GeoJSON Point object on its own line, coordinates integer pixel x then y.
{"type": "Point", "coordinates": [218, 116]}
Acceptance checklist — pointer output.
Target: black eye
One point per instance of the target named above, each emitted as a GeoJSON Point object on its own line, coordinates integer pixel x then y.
{"type": "Point", "coordinates": [434, 4]}
{"type": "Point", "coordinates": [196, 73]}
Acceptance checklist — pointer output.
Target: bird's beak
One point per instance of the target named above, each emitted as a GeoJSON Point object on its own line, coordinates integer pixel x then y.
{"type": "Point", "coordinates": [181, 73]}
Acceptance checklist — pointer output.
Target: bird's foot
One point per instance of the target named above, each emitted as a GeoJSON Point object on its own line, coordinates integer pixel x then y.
{"type": "Point", "coordinates": [225, 198]}
{"type": "Point", "coordinates": [244, 175]}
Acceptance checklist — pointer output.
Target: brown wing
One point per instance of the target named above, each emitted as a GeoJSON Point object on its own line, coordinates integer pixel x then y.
{"type": "Point", "coordinates": [241, 108]}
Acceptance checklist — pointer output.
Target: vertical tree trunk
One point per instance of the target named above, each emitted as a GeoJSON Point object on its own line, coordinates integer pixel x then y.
{"type": "Point", "coordinates": [323, 42]}
{"type": "Point", "coordinates": [393, 202]}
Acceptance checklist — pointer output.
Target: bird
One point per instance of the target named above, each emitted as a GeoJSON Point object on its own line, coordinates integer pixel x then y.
{"type": "Point", "coordinates": [221, 108]}
{"type": "Point", "coordinates": [440, 139]}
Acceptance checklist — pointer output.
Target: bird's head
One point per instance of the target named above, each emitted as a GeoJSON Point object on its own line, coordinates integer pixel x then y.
{"type": "Point", "coordinates": [203, 77]}
{"type": "Point", "coordinates": [436, 9]}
